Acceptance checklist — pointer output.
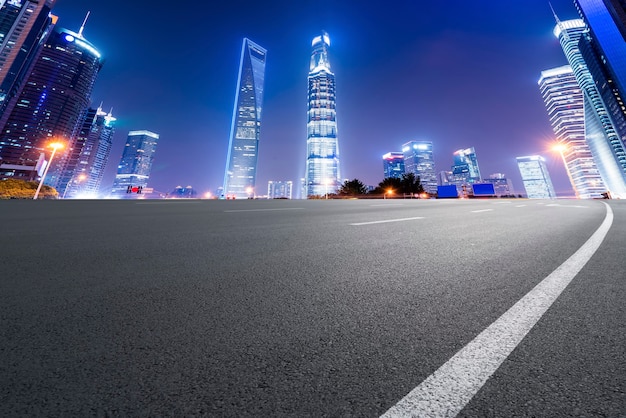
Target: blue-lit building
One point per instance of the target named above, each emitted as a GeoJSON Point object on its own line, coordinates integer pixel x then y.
{"type": "Point", "coordinates": [85, 166]}
{"type": "Point", "coordinates": [279, 189]}
{"type": "Point", "coordinates": [603, 127]}
{"type": "Point", "coordinates": [418, 159]}
{"type": "Point", "coordinates": [565, 106]}
{"type": "Point", "coordinates": [322, 173]}
{"type": "Point", "coordinates": [393, 165]}
{"type": "Point", "coordinates": [465, 169]}
{"type": "Point", "coordinates": [535, 177]}
{"type": "Point", "coordinates": [24, 27]}
{"type": "Point", "coordinates": [135, 165]}
{"type": "Point", "coordinates": [245, 131]}
{"type": "Point", "coordinates": [51, 104]}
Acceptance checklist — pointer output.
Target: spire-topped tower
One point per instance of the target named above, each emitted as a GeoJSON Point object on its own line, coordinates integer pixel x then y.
{"type": "Point", "coordinates": [322, 165]}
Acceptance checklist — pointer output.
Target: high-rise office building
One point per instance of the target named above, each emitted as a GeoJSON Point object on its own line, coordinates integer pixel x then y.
{"type": "Point", "coordinates": [52, 103]}
{"type": "Point", "coordinates": [565, 105]}
{"type": "Point", "coordinates": [465, 169]}
{"type": "Point", "coordinates": [279, 189]}
{"type": "Point", "coordinates": [418, 159]}
{"type": "Point", "coordinates": [322, 174]}
{"type": "Point", "coordinates": [85, 167]}
{"type": "Point", "coordinates": [535, 177]}
{"type": "Point", "coordinates": [135, 164]}
{"type": "Point", "coordinates": [243, 147]}
{"type": "Point", "coordinates": [502, 185]}
{"type": "Point", "coordinates": [393, 165]}
{"type": "Point", "coordinates": [601, 129]}
{"type": "Point", "coordinates": [24, 26]}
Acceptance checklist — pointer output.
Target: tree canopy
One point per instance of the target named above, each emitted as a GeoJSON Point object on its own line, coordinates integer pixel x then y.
{"type": "Point", "coordinates": [20, 189]}
{"type": "Point", "coordinates": [352, 188]}
{"type": "Point", "coordinates": [407, 184]}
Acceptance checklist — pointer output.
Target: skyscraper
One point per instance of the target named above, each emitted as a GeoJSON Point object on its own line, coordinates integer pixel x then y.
{"type": "Point", "coordinates": [279, 189]}
{"type": "Point", "coordinates": [136, 163]}
{"type": "Point", "coordinates": [93, 145]}
{"type": "Point", "coordinates": [243, 147]}
{"type": "Point", "coordinates": [535, 177]}
{"type": "Point", "coordinates": [52, 103]}
{"type": "Point", "coordinates": [393, 165]}
{"type": "Point", "coordinates": [565, 105]}
{"type": "Point", "coordinates": [601, 131]}
{"type": "Point", "coordinates": [465, 169]}
{"type": "Point", "coordinates": [24, 26]}
{"type": "Point", "coordinates": [418, 159]}
{"type": "Point", "coordinates": [322, 162]}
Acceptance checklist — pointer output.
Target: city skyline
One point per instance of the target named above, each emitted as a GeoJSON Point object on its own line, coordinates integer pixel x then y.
{"type": "Point", "coordinates": [427, 74]}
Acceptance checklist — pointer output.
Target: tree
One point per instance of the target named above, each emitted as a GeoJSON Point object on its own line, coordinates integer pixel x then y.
{"type": "Point", "coordinates": [20, 189]}
{"type": "Point", "coordinates": [392, 184]}
{"type": "Point", "coordinates": [352, 188]}
{"type": "Point", "coordinates": [411, 184]}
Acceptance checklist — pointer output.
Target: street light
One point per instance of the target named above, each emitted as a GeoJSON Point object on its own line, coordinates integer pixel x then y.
{"type": "Point", "coordinates": [55, 146]}
{"type": "Point", "coordinates": [390, 192]}
{"type": "Point", "coordinates": [79, 179]}
{"type": "Point", "coordinates": [561, 148]}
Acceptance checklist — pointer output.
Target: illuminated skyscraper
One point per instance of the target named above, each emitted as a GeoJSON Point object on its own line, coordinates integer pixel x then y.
{"type": "Point", "coordinates": [243, 147]}
{"type": "Point", "coordinates": [418, 159]}
{"type": "Point", "coordinates": [322, 162]}
{"type": "Point", "coordinates": [393, 165]}
{"type": "Point", "coordinates": [136, 163]}
{"type": "Point", "coordinates": [602, 131]}
{"type": "Point", "coordinates": [535, 177]}
{"type": "Point", "coordinates": [85, 167]}
{"type": "Point", "coordinates": [465, 169]}
{"type": "Point", "coordinates": [279, 189]}
{"type": "Point", "coordinates": [565, 105]}
{"type": "Point", "coordinates": [52, 103]}
{"type": "Point", "coordinates": [24, 26]}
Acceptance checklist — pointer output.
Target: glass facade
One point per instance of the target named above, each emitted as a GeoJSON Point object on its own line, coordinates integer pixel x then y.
{"type": "Point", "coordinates": [279, 189]}
{"type": "Point", "coordinates": [52, 103]}
{"type": "Point", "coordinates": [601, 134]}
{"type": "Point", "coordinates": [393, 165]}
{"type": "Point", "coordinates": [535, 177]}
{"type": "Point", "coordinates": [565, 105]}
{"type": "Point", "coordinates": [24, 26]}
{"type": "Point", "coordinates": [465, 169]}
{"type": "Point", "coordinates": [243, 148]}
{"type": "Point", "coordinates": [85, 167]}
{"type": "Point", "coordinates": [418, 159]}
{"type": "Point", "coordinates": [322, 163]}
{"type": "Point", "coordinates": [136, 163]}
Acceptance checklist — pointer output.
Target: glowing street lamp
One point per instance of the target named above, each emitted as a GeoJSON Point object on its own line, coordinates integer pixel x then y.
{"type": "Point", "coordinates": [250, 192]}
{"type": "Point", "coordinates": [79, 179]}
{"type": "Point", "coordinates": [389, 192]}
{"type": "Point", "coordinates": [55, 146]}
{"type": "Point", "coordinates": [561, 148]}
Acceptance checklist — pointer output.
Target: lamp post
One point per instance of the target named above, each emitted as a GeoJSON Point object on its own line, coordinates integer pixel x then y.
{"type": "Point", "coordinates": [561, 148]}
{"type": "Point", "coordinates": [390, 192]}
{"type": "Point", "coordinates": [55, 146]}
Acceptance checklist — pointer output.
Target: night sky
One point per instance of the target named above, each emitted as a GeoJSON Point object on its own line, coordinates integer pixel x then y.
{"type": "Point", "coordinates": [457, 73]}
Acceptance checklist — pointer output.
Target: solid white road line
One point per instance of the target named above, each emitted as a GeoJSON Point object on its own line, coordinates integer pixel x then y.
{"type": "Point", "coordinates": [481, 210]}
{"type": "Point", "coordinates": [566, 206]}
{"type": "Point", "coordinates": [261, 210]}
{"type": "Point", "coordinates": [386, 221]}
{"type": "Point", "coordinates": [446, 392]}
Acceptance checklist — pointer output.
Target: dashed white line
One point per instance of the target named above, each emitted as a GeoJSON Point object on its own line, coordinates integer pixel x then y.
{"type": "Point", "coordinates": [520, 206]}
{"type": "Point", "coordinates": [566, 206]}
{"type": "Point", "coordinates": [261, 210]}
{"type": "Point", "coordinates": [501, 203]}
{"type": "Point", "coordinates": [387, 204]}
{"type": "Point", "coordinates": [387, 220]}
{"type": "Point", "coordinates": [446, 392]}
{"type": "Point", "coordinates": [481, 210]}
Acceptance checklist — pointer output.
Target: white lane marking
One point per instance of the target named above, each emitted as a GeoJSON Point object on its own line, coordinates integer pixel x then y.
{"type": "Point", "coordinates": [566, 206]}
{"type": "Point", "coordinates": [446, 392]}
{"type": "Point", "coordinates": [481, 210]}
{"type": "Point", "coordinates": [520, 206]}
{"type": "Point", "coordinates": [261, 210]}
{"type": "Point", "coordinates": [501, 203]}
{"type": "Point", "coordinates": [387, 204]}
{"type": "Point", "coordinates": [386, 221]}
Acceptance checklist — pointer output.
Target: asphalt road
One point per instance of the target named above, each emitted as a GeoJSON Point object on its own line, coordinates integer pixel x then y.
{"type": "Point", "coordinates": [301, 308]}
